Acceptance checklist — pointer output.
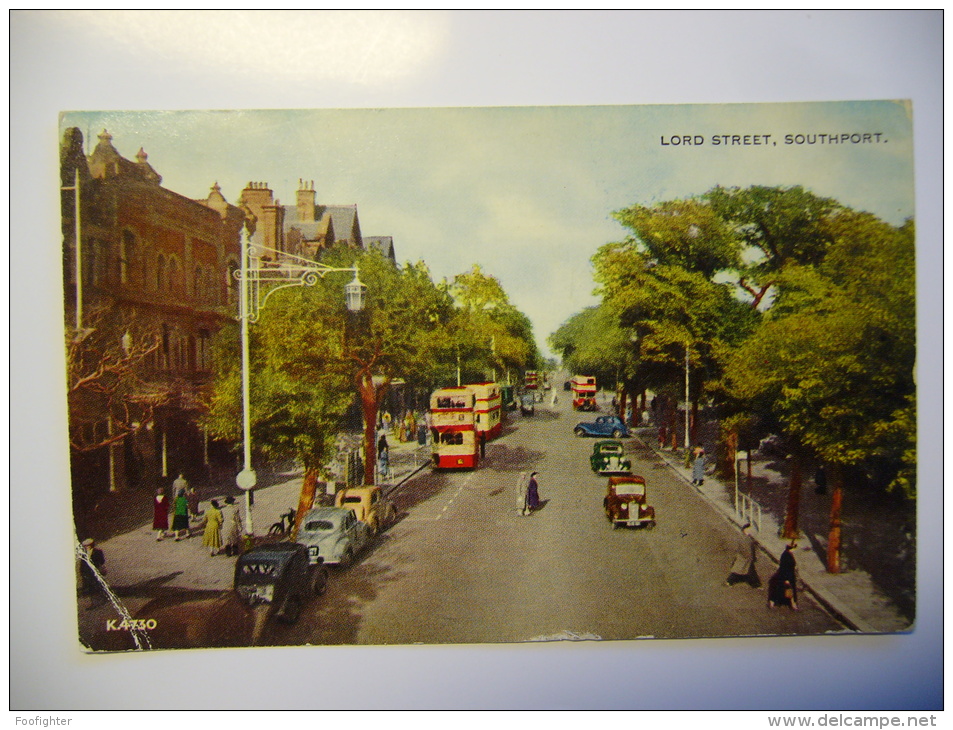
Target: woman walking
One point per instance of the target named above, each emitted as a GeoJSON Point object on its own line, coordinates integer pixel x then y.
{"type": "Point", "coordinates": [160, 514]}
{"type": "Point", "coordinates": [532, 493]}
{"type": "Point", "coordinates": [212, 538]}
{"type": "Point", "coordinates": [180, 515]}
{"type": "Point", "coordinates": [231, 527]}
{"type": "Point", "coordinates": [782, 588]}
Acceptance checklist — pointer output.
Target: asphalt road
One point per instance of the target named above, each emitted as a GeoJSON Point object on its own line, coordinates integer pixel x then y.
{"type": "Point", "coordinates": [463, 566]}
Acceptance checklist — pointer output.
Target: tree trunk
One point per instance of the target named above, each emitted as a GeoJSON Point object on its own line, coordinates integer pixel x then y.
{"type": "Point", "coordinates": [309, 488]}
{"type": "Point", "coordinates": [834, 537]}
{"type": "Point", "coordinates": [694, 426]}
{"type": "Point", "coordinates": [371, 397]}
{"type": "Point", "coordinates": [790, 530]}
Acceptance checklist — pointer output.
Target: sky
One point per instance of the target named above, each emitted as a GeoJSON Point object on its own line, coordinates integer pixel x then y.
{"type": "Point", "coordinates": [526, 193]}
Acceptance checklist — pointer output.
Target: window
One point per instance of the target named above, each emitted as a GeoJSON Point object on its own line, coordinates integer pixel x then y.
{"type": "Point", "coordinates": [127, 254]}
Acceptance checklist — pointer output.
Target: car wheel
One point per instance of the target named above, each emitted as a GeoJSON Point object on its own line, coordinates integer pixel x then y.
{"type": "Point", "coordinates": [617, 434]}
{"type": "Point", "coordinates": [290, 609]}
{"type": "Point", "coordinates": [319, 582]}
{"type": "Point", "coordinates": [579, 432]}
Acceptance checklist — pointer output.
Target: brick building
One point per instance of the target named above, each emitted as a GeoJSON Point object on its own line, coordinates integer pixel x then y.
{"type": "Point", "coordinates": [155, 287]}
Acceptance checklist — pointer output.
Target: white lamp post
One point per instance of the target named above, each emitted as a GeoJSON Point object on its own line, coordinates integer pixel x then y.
{"type": "Point", "coordinates": [287, 270]}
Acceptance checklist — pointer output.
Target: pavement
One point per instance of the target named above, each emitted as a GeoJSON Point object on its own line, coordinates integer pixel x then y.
{"type": "Point", "coordinates": [851, 596]}
{"type": "Point", "coordinates": [138, 563]}
{"type": "Point", "coordinates": [139, 566]}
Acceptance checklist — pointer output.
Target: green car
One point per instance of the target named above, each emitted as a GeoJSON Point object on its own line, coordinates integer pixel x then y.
{"type": "Point", "coordinates": [608, 457]}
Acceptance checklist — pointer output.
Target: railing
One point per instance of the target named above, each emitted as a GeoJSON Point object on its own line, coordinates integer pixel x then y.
{"type": "Point", "coordinates": [748, 510]}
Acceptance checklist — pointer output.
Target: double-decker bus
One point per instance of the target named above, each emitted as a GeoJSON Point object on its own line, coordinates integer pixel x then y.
{"type": "Point", "coordinates": [584, 393]}
{"type": "Point", "coordinates": [487, 408]}
{"type": "Point", "coordinates": [531, 380]}
{"type": "Point", "coordinates": [452, 425]}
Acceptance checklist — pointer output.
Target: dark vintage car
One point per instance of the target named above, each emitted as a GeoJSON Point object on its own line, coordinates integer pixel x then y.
{"type": "Point", "coordinates": [608, 457]}
{"type": "Point", "coordinates": [280, 577]}
{"type": "Point", "coordinates": [602, 426]}
{"type": "Point", "coordinates": [624, 503]}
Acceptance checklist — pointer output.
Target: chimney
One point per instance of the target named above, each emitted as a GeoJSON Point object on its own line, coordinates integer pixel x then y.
{"type": "Point", "coordinates": [305, 202]}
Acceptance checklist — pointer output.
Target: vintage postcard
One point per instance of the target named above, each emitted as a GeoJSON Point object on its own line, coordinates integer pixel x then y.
{"type": "Point", "coordinates": [490, 375]}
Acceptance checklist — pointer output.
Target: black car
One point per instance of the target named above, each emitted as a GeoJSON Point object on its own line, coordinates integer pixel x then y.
{"type": "Point", "coordinates": [279, 576]}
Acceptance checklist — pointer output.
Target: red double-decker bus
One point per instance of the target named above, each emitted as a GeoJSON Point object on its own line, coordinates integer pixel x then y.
{"type": "Point", "coordinates": [584, 393]}
{"type": "Point", "coordinates": [453, 427]}
{"type": "Point", "coordinates": [487, 407]}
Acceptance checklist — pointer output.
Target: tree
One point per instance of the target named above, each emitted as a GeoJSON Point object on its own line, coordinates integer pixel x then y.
{"type": "Point", "coordinates": [666, 284]}
{"type": "Point", "coordinates": [779, 226]}
{"type": "Point", "coordinates": [489, 332]}
{"type": "Point", "coordinates": [833, 360]}
{"type": "Point", "coordinates": [107, 398]}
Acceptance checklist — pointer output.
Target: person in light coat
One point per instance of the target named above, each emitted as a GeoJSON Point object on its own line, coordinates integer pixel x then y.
{"type": "Point", "coordinates": [231, 527]}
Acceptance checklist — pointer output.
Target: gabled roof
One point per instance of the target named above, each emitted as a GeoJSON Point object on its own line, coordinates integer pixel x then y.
{"type": "Point", "coordinates": [384, 244]}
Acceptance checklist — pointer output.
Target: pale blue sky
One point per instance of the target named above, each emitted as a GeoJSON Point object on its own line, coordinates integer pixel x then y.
{"type": "Point", "coordinates": [526, 192]}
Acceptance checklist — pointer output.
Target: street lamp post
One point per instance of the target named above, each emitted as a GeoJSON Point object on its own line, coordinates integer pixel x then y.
{"type": "Point", "coordinates": [287, 270]}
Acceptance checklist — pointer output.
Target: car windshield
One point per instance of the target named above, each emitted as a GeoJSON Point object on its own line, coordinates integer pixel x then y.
{"type": "Point", "coordinates": [319, 526]}
{"type": "Point", "coordinates": [352, 500]}
{"type": "Point", "coordinates": [261, 568]}
{"type": "Point", "coordinates": [611, 449]}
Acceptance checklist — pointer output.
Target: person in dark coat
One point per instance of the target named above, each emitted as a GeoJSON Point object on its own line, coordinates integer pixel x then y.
{"type": "Point", "coordinates": [782, 588]}
{"type": "Point", "coordinates": [89, 581]}
{"type": "Point", "coordinates": [820, 479]}
{"type": "Point", "coordinates": [532, 492]}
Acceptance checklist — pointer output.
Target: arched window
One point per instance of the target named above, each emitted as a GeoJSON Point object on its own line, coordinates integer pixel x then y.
{"type": "Point", "coordinates": [174, 279]}
{"type": "Point", "coordinates": [127, 256]}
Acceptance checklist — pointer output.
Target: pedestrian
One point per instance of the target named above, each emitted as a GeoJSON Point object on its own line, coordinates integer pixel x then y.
{"type": "Point", "coordinates": [743, 569]}
{"type": "Point", "coordinates": [180, 515]}
{"type": "Point", "coordinates": [698, 467]}
{"type": "Point", "coordinates": [192, 496]}
{"type": "Point", "coordinates": [782, 588]}
{"type": "Point", "coordinates": [661, 436]}
{"type": "Point", "coordinates": [521, 483]}
{"type": "Point", "coordinates": [160, 514]}
{"type": "Point", "coordinates": [532, 492]}
{"type": "Point", "coordinates": [90, 583]}
{"type": "Point", "coordinates": [231, 527]}
{"type": "Point", "coordinates": [212, 537]}
{"type": "Point", "coordinates": [820, 479]}
{"type": "Point", "coordinates": [383, 462]}
{"type": "Point", "coordinates": [180, 484]}
{"type": "Point", "coordinates": [555, 399]}
{"type": "Point", "coordinates": [482, 444]}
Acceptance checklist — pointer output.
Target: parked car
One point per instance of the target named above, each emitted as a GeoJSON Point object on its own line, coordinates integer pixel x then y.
{"type": "Point", "coordinates": [602, 426]}
{"type": "Point", "coordinates": [608, 457]}
{"type": "Point", "coordinates": [333, 535]}
{"type": "Point", "coordinates": [281, 577]}
{"type": "Point", "coordinates": [369, 505]}
{"type": "Point", "coordinates": [625, 504]}
{"type": "Point", "coordinates": [527, 405]}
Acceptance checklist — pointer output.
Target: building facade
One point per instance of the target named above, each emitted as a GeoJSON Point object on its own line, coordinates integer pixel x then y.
{"type": "Point", "coordinates": [147, 287]}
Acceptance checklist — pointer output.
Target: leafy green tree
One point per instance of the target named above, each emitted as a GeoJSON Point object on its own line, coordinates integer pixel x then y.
{"type": "Point", "coordinates": [833, 360]}
{"type": "Point", "coordinates": [490, 332]}
{"type": "Point", "coordinates": [778, 226]}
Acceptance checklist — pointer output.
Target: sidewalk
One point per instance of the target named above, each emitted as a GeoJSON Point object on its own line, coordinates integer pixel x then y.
{"type": "Point", "coordinates": [137, 562]}
{"type": "Point", "coordinates": [852, 596]}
